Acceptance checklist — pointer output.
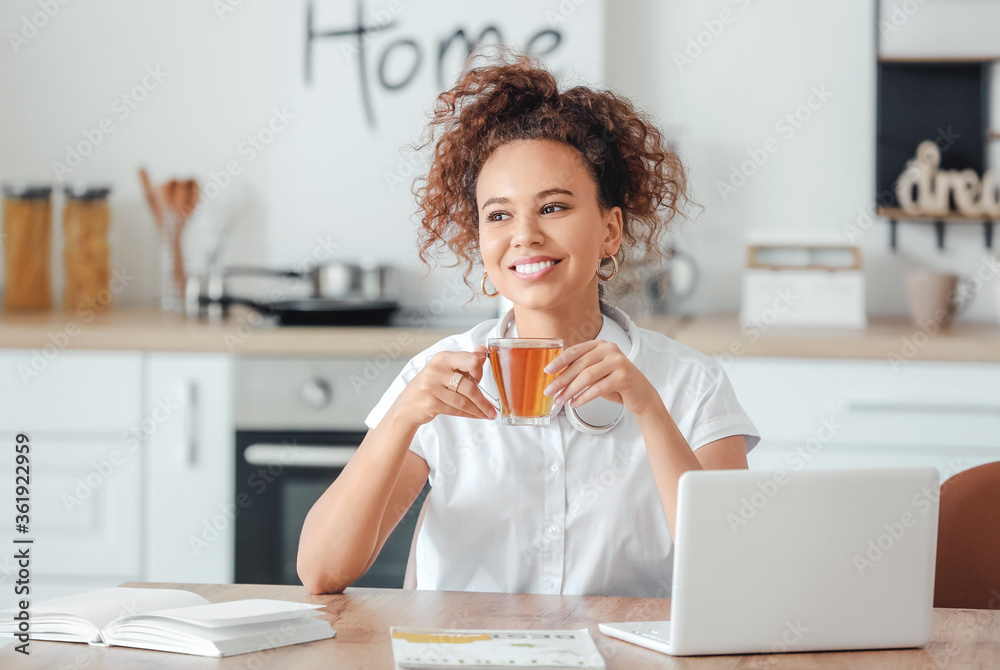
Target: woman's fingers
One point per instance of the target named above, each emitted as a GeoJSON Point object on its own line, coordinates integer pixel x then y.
{"type": "Point", "coordinates": [583, 361]}
{"type": "Point", "coordinates": [594, 391]}
{"type": "Point", "coordinates": [452, 411]}
{"type": "Point", "coordinates": [472, 366]}
{"type": "Point", "coordinates": [458, 400]}
{"type": "Point", "coordinates": [587, 377]}
{"type": "Point", "coordinates": [464, 361]}
{"type": "Point", "coordinates": [569, 355]}
{"type": "Point", "coordinates": [465, 368]}
{"type": "Point", "coordinates": [477, 373]}
{"type": "Point", "coordinates": [472, 391]}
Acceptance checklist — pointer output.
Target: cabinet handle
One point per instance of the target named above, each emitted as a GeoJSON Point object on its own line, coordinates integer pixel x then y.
{"type": "Point", "coordinates": [298, 455]}
{"type": "Point", "coordinates": [920, 407]}
{"type": "Point", "coordinates": [194, 421]}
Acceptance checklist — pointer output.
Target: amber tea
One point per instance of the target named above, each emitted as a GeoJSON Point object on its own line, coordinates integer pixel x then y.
{"type": "Point", "coordinates": [518, 370]}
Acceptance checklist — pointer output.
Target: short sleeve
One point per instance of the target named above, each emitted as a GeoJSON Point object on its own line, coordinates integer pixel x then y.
{"type": "Point", "coordinates": [696, 392]}
{"type": "Point", "coordinates": [718, 414]}
{"type": "Point", "coordinates": [389, 397]}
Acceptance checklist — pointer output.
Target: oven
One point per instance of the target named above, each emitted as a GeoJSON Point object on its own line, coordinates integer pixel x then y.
{"type": "Point", "coordinates": [298, 422]}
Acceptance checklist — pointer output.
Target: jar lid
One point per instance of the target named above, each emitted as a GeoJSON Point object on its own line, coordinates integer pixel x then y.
{"type": "Point", "coordinates": [84, 192]}
{"type": "Point", "coordinates": [27, 191]}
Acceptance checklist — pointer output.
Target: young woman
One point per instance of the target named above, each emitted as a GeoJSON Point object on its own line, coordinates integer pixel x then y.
{"type": "Point", "coordinates": [548, 190]}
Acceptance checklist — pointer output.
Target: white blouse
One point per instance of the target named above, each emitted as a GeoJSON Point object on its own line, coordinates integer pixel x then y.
{"type": "Point", "coordinates": [548, 509]}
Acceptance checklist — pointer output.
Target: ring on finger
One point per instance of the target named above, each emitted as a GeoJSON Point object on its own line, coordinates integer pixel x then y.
{"type": "Point", "coordinates": [455, 380]}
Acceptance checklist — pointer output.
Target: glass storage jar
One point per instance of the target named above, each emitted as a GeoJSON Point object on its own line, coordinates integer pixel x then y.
{"type": "Point", "coordinates": [27, 247]}
{"type": "Point", "coordinates": [86, 216]}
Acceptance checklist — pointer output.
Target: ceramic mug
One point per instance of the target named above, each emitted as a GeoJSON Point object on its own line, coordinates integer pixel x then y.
{"type": "Point", "coordinates": [933, 297]}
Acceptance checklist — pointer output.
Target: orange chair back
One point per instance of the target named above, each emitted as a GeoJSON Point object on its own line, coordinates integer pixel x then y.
{"type": "Point", "coordinates": [968, 551]}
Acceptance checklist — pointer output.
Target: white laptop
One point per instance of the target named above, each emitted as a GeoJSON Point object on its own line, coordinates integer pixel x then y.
{"type": "Point", "coordinates": [773, 561]}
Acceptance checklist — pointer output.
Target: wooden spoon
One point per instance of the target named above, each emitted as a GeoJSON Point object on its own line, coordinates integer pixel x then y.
{"type": "Point", "coordinates": [191, 193]}
{"type": "Point", "coordinates": [154, 198]}
{"type": "Point", "coordinates": [183, 197]}
{"type": "Point", "coordinates": [172, 195]}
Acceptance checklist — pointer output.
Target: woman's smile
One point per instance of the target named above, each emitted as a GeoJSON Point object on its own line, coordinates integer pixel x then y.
{"type": "Point", "coordinates": [534, 267]}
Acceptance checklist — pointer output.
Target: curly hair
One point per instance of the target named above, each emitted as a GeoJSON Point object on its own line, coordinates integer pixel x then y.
{"type": "Point", "coordinates": [495, 104]}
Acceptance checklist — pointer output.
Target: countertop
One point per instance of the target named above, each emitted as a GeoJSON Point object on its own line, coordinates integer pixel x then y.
{"type": "Point", "coordinates": [715, 334]}
{"type": "Point", "coordinates": [885, 337]}
{"type": "Point", "coordinates": [961, 638]}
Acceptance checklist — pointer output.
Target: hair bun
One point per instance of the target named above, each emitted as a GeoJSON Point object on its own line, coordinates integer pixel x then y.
{"type": "Point", "coordinates": [508, 90]}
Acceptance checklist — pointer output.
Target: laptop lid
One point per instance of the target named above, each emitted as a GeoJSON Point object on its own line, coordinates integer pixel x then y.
{"type": "Point", "coordinates": [771, 561]}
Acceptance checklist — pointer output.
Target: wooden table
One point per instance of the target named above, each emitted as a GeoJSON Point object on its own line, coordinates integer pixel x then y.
{"type": "Point", "coordinates": [361, 617]}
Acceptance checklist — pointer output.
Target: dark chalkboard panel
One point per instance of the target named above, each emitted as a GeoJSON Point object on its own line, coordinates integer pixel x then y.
{"type": "Point", "coordinates": [929, 101]}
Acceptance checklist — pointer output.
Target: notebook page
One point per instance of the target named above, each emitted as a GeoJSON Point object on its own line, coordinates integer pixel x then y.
{"type": "Point", "coordinates": [105, 605]}
{"type": "Point", "coordinates": [177, 636]}
{"type": "Point", "coordinates": [234, 613]}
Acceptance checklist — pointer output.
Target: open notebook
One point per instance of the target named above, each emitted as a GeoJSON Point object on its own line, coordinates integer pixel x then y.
{"type": "Point", "coordinates": [172, 620]}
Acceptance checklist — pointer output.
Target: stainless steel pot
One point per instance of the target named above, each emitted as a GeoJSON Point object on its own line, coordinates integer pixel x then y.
{"type": "Point", "coordinates": [337, 281]}
{"type": "Point", "coordinates": [340, 280]}
{"type": "Point", "coordinates": [334, 280]}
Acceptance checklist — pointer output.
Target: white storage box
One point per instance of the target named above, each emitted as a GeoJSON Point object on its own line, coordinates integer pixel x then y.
{"type": "Point", "coordinates": [809, 285]}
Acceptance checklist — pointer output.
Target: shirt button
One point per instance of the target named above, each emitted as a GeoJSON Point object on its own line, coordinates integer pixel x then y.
{"type": "Point", "coordinates": [549, 585]}
{"type": "Point", "coordinates": [553, 529]}
{"type": "Point", "coordinates": [555, 467]}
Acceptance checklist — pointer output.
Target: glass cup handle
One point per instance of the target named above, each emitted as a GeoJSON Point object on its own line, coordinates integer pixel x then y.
{"type": "Point", "coordinates": [493, 401]}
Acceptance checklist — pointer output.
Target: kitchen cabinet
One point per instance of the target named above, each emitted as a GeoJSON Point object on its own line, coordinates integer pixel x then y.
{"type": "Point", "coordinates": [78, 409]}
{"type": "Point", "coordinates": [131, 467]}
{"type": "Point", "coordinates": [189, 497]}
{"type": "Point", "coordinates": [815, 413]}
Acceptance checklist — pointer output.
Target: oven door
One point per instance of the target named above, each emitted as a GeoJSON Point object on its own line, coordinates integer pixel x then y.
{"type": "Point", "coordinates": [279, 475]}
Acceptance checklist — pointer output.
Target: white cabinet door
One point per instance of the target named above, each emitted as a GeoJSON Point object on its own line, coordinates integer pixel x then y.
{"type": "Point", "coordinates": [84, 497]}
{"type": "Point", "coordinates": [79, 408]}
{"type": "Point", "coordinates": [190, 469]}
{"type": "Point", "coordinates": [851, 413]}
{"type": "Point", "coordinates": [73, 391]}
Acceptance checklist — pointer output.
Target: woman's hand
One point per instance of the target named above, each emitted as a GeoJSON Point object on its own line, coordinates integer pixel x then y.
{"type": "Point", "coordinates": [428, 394]}
{"type": "Point", "coordinates": [599, 369]}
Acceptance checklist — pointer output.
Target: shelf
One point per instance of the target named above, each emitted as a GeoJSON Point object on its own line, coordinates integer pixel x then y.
{"type": "Point", "coordinates": [938, 59]}
{"type": "Point", "coordinates": [895, 215]}
{"type": "Point", "coordinates": [901, 215]}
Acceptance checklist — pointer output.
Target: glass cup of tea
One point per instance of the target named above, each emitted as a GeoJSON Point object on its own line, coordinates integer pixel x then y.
{"type": "Point", "coordinates": [518, 371]}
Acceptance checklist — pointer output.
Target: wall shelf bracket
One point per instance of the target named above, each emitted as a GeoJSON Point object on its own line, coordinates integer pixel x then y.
{"type": "Point", "coordinates": [939, 234]}
{"type": "Point", "coordinates": [940, 226]}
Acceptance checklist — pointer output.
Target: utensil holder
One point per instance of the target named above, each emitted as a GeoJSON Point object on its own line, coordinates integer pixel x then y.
{"type": "Point", "coordinates": [171, 264]}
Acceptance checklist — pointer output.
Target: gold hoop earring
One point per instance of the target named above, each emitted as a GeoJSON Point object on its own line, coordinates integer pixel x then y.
{"type": "Point", "coordinates": [496, 291]}
{"type": "Point", "coordinates": [613, 272]}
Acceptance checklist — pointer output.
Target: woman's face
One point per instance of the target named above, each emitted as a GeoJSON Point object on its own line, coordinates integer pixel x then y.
{"type": "Point", "coordinates": [542, 233]}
